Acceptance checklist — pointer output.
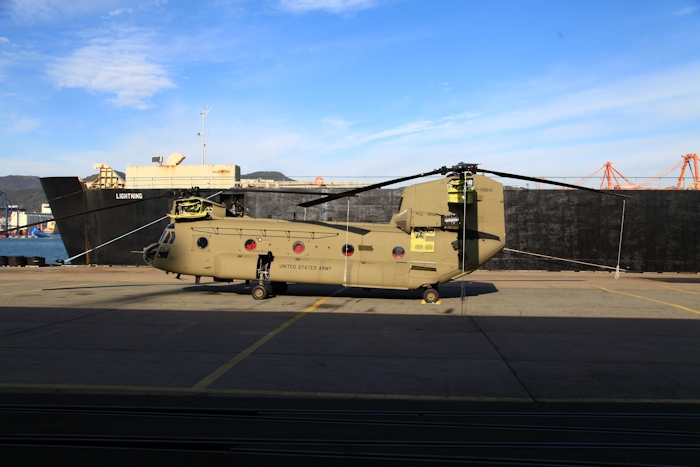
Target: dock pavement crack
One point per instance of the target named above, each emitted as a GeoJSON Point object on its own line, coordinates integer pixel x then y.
{"type": "Point", "coordinates": [512, 370]}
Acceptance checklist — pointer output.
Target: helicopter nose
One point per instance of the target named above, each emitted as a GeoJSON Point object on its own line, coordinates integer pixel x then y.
{"type": "Point", "coordinates": [149, 253]}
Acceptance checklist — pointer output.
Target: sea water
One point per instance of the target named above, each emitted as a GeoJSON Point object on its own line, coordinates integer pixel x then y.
{"type": "Point", "coordinates": [51, 249]}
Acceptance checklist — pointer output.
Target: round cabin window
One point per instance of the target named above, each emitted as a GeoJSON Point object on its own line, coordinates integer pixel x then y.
{"type": "Point", "coordinates": [398, 252]}
{"type": "Point", "coordinates": [298, 247]}
{"type": "Point", "coordinates": [348, 249]}
{"type": "Point", "coordinates": [202, 243]}
{"type": "Point", "coordinates": [250, 245]}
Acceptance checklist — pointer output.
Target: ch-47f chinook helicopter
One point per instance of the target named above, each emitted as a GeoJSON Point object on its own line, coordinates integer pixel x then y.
{"type": "Point", "coordinates": [443, 230]}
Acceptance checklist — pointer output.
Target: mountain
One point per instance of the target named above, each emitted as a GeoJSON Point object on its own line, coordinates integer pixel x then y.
{"type": "Point", "coordinates": [23, 190]}
{"type": "Point", "coordinates": [267, 175]}
{"type": "Point", "coordinates": [31, 200]}
{"type": "Point", "coordinates": [19, 182]}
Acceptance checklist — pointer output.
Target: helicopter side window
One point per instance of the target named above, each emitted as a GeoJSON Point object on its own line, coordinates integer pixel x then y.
{"type": "Point", "coordinates": [202, 243]}
{"type": "Point", "coordinates": [298, 248]}
{"type": "Point", "coordinates": [348, 249]}
{"type": "Point", "coordinates": [250, 245]}
{"type": "Point", "coordinates": [398, 252]}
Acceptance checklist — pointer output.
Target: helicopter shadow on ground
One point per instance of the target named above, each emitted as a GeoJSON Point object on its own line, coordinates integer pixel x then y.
{"type": "Point", "coordinates": [447, 290]}
{"type": "Point", "coordinates": [677, 280]}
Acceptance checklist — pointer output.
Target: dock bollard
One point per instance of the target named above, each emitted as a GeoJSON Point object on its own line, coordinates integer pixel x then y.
{"type": "Point", "coordinates": [36, 261]}
{"type": "Point", "coordinates": [19, 261]}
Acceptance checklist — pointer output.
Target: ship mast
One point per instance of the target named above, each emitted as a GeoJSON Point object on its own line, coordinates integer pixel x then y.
{"type": "Point", "coordinates": [204, 114]}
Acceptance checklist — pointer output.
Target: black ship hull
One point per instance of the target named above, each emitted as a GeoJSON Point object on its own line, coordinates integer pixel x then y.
{"type": "Point", "coordinates": [661, 229]}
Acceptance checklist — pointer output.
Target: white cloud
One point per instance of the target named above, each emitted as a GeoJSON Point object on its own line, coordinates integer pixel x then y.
{"type": "Point", "coordinates": [407, 129]}
{"type": "Point", "coordinates": [461, 116]}
{"type": "Point", "coordinates": [33, 165]}
{"type": "Point", "coordinates": [337, 124]}
{"type": "Point", "coordinates": [685, 11]}
{"type": "Point", "coordinates": [4, 40]}
{"type": "Point", "coordinates": [332, 6]}
{"type": "Point", "coordinates": [23, 125]}
{"type": "Point", "coordinates": [53, 10]}
{"type": "Point", "coordinates": [32, 11]}
{"type": "Point", "coordinates": [113, 67]}
{"type": "Point", "coordinates": [642, 124]}
{"type": "Point", "coordinates": [119, 11]}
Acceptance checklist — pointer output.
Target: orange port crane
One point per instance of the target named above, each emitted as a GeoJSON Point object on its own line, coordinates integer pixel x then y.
{"type": "Point", "coordinates": [610, 180]}
{"type": "Point", "coordinates": [686, 163]}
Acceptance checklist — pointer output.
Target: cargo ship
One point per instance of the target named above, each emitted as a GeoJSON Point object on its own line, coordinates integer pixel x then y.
{"type": "Point", "coordinates": [123, 215]}
{"type": "Point", "coordinates": [661, 231]}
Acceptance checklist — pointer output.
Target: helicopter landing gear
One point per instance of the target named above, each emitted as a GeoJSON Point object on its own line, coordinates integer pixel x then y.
{"type": "Point", "coordinates": [260, 292]}
{"type": "Point", "coordinates": [278, 288]}
{"type": "Point", "coordinates": [431, 295]}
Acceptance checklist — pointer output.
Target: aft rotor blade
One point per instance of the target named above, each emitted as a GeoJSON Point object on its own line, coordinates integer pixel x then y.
{"type": "Point", "coordinates": [549, 182]}
{"type": "Point", "coordinates": [356, 191]}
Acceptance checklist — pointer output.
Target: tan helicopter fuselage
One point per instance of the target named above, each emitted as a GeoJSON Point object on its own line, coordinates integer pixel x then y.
{"type": "Point", "coordinates": [420, 247]}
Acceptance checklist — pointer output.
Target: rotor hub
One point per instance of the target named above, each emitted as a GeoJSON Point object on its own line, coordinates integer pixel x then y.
{"type": "Point", "coordinates": [462, 167]}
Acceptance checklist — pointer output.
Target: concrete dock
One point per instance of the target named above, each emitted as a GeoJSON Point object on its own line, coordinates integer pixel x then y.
{"type": "Point", "coordinates": [130, 366]}
{"type": "Point", "coordinates": [516, 337]}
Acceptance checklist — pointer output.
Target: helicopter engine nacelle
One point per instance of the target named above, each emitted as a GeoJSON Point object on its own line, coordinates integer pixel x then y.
{"type": "Point", "coordinates": [409, 219]}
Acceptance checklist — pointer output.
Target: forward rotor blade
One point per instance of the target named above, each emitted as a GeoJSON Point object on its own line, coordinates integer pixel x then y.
{"type": "Point", "coordinates": [299, 191]}
{"type": "Point", "coordinates": [549, 182]}
{"type": "Point", "coordinates": [345, 194]}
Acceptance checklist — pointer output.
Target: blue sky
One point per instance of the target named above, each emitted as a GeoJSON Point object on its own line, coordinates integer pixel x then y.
{"type": "Point", "coordinates": [350, 87]}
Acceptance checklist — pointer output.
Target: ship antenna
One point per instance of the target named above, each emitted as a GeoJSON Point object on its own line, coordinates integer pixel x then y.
{"type": "Point", "coordinates": [204, 114]}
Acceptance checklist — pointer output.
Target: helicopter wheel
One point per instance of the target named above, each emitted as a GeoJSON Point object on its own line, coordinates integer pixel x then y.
{"type": "Point", "coordinates": [278, 288]}
{"type": "Point", "coordinates": [431, 295]}
{"type": "Point", "coordinates": [260, 292]}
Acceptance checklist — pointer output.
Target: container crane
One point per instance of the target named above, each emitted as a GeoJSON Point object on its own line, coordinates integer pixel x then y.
{"type": "Point", "coordinates": [685, 162]}
{"type": "Point", "coordinates": [610, 180]}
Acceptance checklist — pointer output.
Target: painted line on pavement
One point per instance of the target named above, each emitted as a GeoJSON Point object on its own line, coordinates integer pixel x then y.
{"type": "Point", "coordinates": [219, 372]}
{"type": "Point", "coordinates": [72, 286]}
{"type": "Point", "coordinates": [681, 307]}
{"type": "Point", "coordinates": [679, 290]}
{"type": "Point", "coordinates": [337, 395]}
{"type": "Point", "coordinates": [24, 291]}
